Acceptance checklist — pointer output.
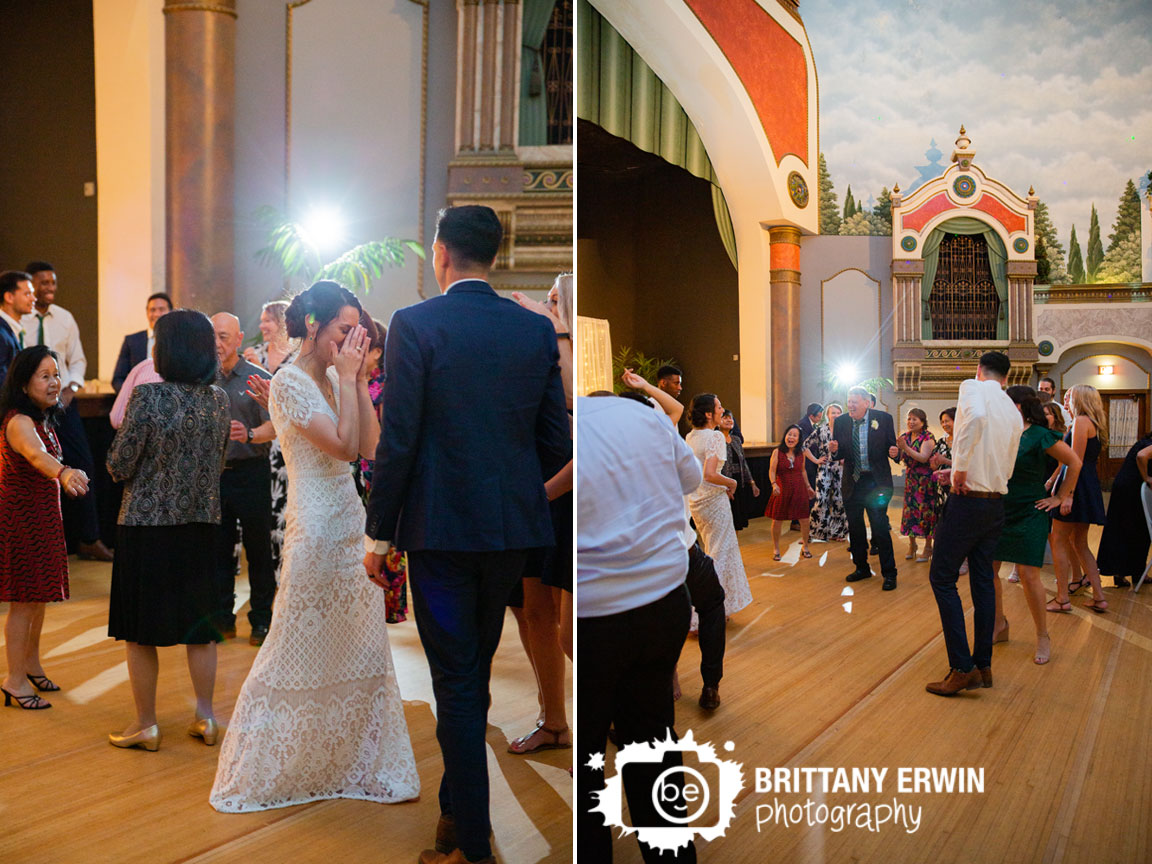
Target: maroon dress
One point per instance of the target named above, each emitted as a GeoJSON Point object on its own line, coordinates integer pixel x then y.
{"type": "Point", "coordinates": [33, 555]}
{"type": "Point", "coordinates": [792, 502]}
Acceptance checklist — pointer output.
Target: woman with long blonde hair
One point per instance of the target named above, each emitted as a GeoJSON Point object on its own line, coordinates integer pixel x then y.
{"type": "Point", "coordinates": [1088, 435]}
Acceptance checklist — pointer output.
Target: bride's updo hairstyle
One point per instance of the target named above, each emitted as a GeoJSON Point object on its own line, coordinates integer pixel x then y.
{"type": "Point", "coordinates": [323, 301]}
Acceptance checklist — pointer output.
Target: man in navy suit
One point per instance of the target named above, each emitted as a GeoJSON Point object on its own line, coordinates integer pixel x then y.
{"type": "Point", "coordinates": [473, 423]}
{"type": "Point", "coordinates": [137, 347]}
{"type": "Point", "coordinates": [17, 299]}
{"type": "Point", "coordinates": [865, 439]}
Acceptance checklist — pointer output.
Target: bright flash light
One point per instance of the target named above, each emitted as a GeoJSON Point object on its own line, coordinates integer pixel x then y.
{"type": "Point", "coordinates": [847, 374]}
{"type": "Point", "coordinates": [325, 228]}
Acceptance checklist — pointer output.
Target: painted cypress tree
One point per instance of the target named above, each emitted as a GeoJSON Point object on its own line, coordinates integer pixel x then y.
{"type": "Point", "coordinates": [1043, 266]}
{"type": "Point", "coordinates": [882, 212]}
{"type": "Point", "coordinates": [1095, 252]}
{"type": "Point", "coordinates": [1075, 261]}
{"type": "Point", "coordinates": [1127, 216]}
{"type": "Point", "coordinates": [849, 204]}
{"type": "Point", "coordinates": [829, 209]}
{"type": "Point", "coordinates": [1052, 250]}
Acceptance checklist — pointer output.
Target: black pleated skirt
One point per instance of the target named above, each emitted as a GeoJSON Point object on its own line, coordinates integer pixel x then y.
{"type": "Point", "coordinates": [164, 585]}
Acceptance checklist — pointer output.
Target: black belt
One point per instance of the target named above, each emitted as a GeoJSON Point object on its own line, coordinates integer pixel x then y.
{"type": "Point", "coordinates": [981, 494]}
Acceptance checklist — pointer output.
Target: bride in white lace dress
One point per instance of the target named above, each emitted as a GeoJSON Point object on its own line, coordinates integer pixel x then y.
{"type": "Point", "coordinates": [320, 714]}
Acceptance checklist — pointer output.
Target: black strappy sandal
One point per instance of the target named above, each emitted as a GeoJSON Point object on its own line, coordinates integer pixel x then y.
{"type": "Point", "coordinates": [28, 703]}
{"type": "Point", "coordinates": [1079, 583]}
{"type": "Point", "coordinates": [43, 683]}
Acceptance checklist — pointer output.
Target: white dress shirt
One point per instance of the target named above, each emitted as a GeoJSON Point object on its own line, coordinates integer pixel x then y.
{"type": "Point", "coordinates": [61, 335]}
{"type": "Point", "coordinates": [986, 435]}
{"type": "Point", "coordinates": [632, 471]}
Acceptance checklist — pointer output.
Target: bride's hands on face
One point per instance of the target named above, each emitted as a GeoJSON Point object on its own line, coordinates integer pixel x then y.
{"type": "Point", "coordinates": [349, 357]}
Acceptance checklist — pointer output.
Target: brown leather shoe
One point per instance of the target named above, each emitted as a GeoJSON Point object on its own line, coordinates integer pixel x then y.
{"type": "Point", "coordinates": [94, 551]}
{"type": "Point", "coordinates": [446, 834]}
{"type": "Point", "coordinates": [986, 676]}
{"type": "Point", "coordinates": [957, 681]}
{"type": "Point", "coordinates": [710, 698]}
{"type": "Point", "coordinates": [431, 856]}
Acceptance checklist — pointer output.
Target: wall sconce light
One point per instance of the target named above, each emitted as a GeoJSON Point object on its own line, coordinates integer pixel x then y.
{"type": "Point", "coordinates": [1106, 370]}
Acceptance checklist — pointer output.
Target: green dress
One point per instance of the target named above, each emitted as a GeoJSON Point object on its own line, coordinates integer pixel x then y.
{"type": "Point", "coordinates": [1026, 528]}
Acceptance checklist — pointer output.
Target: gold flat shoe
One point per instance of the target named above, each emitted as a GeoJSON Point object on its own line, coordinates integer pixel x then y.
{"type": "Point", "coordinates": [148, 738]}
{"type": "Point", "coordinates": [208, 729]}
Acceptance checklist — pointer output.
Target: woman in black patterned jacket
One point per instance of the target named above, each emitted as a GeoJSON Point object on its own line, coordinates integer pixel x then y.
{"type": "Point", "coordinates": [169, 452]}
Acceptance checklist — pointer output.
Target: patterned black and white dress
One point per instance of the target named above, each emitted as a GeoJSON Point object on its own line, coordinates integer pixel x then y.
{"type": "Point", "coordinates": [829, 518]}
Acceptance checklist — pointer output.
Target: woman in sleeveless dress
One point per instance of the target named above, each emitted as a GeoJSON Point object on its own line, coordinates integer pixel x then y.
{"type": "Point", "coordinates": [708, 504]}
{"type": "Point", "coordinates": [791, 494]}
{"type": "Point", "coordinates": [1088, 434]}
{"type": "Point", "coordinates": [320, 715]}
{"type": "Point", "coordinates": [829, 520]}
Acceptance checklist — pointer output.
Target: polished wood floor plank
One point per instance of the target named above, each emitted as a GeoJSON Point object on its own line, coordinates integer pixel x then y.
{"type": "Point", "coordinates": [67, 796]}
{"type": "Point", "coordinates": [1067, 761]}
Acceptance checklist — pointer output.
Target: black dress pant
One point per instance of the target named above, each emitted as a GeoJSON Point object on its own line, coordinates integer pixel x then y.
{"type": "Point", "coordinates": [624, 677]}
{"type": "Point", "coordinates": [459, 600]}
{"type": "Point", "coordinates": [81, 519]}
{"type": "Point", "coordinates": [868, 497]}
{"type": "Point", "coordinates": [708, 600]}
{"type": "Point", "coordinates": [246, 503]}
{"type": "Point", "coordinates": [968, 528]}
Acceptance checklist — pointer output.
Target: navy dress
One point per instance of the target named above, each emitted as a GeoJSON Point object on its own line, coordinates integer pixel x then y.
{"type": "Point", "coordinates": [1124, 542]}
{"type": "Point", "coordinates": [1087, 500]}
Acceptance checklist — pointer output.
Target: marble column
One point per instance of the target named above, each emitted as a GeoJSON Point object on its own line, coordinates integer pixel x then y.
{"type": "Point", "coordinates": [784, 277]}
{"type": "Point", "coordinates": [1021, 276]}
{"type": "Point", "coordinates": [200, 107]}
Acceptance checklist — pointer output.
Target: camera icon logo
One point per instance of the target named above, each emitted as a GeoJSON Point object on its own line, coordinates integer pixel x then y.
{"type": "Point", "coordinates": [692, 791]}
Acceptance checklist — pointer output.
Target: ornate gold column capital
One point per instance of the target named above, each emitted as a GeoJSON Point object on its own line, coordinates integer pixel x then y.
{"type": "Point", "coordinates": [784, 234]}
{"type": "Point", "coordinates": [222, 7]}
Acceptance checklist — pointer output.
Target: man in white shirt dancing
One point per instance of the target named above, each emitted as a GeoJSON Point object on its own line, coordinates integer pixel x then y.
{"type": "Point", "coordinates": [632, 607]}
{"type": "Point", "coordinates": [985, 440]}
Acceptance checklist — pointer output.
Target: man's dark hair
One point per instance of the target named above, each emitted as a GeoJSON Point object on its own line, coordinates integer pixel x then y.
{"type": "Point", "coordinates": [1049, 380]}
{"type": "Point", "coordinates": [160, 295]}
{"type": "Point", "coordinates": [667, 372]}
{"type": "Point", "coordinates": [9, 279]}
{"type": "Point", "coordinates": [186, 348]}
{"type": "Point", "coordinates": [1044, 396]}
{"type": "Point", "coordinates": [472, 233]}
{"type": "Point", "coordinates": [12, 395]}
{"type": "Point", "coordinates": [997, 363]}
{"type": "Point", "coordinates": [635, 397]}
{"type": "Point", "coordinates": [815, 408]}
{"type": "Point", "coordinates": [35, 267]}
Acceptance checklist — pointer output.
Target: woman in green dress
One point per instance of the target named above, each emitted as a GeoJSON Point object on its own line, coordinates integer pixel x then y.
{"type": "Point", "coordinates": [1026, 513]}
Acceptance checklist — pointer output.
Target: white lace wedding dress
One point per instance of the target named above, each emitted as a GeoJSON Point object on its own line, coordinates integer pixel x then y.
{"type": "Point", "coordinates": [319, 715]}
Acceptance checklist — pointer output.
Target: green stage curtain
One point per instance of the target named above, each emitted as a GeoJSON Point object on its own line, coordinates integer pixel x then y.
{"type": "Point", "coordinates": [619, 92]}
{"type": "Point", "coordinates": [997, 260]}
{"type": "Point", "coordinates": [533, 101]}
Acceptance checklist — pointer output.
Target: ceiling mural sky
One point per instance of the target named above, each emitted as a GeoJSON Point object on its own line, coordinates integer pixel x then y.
{"type": "Point", "coordinates": [1054, 94]}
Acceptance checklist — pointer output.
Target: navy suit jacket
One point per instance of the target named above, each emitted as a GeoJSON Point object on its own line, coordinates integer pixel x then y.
{"type": "Point", "coordinates": [9, 348]}
{"type": "Point", "coordinates": [133, 351]}
{"type": "Point", "coordinates": [473, 421]}
{"type": "Point", "coordinates": [879, 440]}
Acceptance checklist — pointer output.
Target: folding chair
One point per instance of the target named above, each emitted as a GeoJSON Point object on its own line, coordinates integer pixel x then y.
{"type": "Point", "coordinates": [1146, 500]}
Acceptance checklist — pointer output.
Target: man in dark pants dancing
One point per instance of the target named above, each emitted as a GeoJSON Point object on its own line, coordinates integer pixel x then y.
{"type": "Point", "coordinates": [866, 439]}
{"type": "Point", "coordinates": [985, 440]}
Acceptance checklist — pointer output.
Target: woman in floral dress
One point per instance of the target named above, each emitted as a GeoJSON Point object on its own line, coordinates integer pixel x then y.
{"type": "Point", "coordinates": [829, 519]}
{"type": "Point", "coordinates": [921, 491]}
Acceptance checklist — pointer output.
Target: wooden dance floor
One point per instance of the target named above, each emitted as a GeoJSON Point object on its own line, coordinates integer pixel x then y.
{"type": "Point", "coordinates": [1066, 748]}
{"type": "Point", "coordinates": [67, 796]}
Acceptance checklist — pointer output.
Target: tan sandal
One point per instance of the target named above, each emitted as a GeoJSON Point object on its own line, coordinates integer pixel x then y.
{"type": "Point", "coordinates": [520, 745]}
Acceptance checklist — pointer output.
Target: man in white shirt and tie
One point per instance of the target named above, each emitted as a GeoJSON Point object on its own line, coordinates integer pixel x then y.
{"type": "Point", "coordinates": [54, 326]}
{"type": "Point", "coordinates": [985, 440]}
{"type": "Point", "coordinates": [16, 299]}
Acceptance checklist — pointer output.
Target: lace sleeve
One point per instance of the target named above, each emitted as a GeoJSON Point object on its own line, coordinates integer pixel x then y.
{"type": "Point", "coordinates": [718, 447]}
{"type": "Point", "coordinates": [291, 399]}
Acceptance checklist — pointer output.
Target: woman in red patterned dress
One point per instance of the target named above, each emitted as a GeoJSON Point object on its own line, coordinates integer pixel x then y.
{"type": "Point", "coordinates": [33, 556]}
{"type": "Point", "coordinates": [791, 492]}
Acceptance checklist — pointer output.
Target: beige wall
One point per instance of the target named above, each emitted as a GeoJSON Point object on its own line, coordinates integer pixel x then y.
{"type": "Point", "coordinates": [129, 37]}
